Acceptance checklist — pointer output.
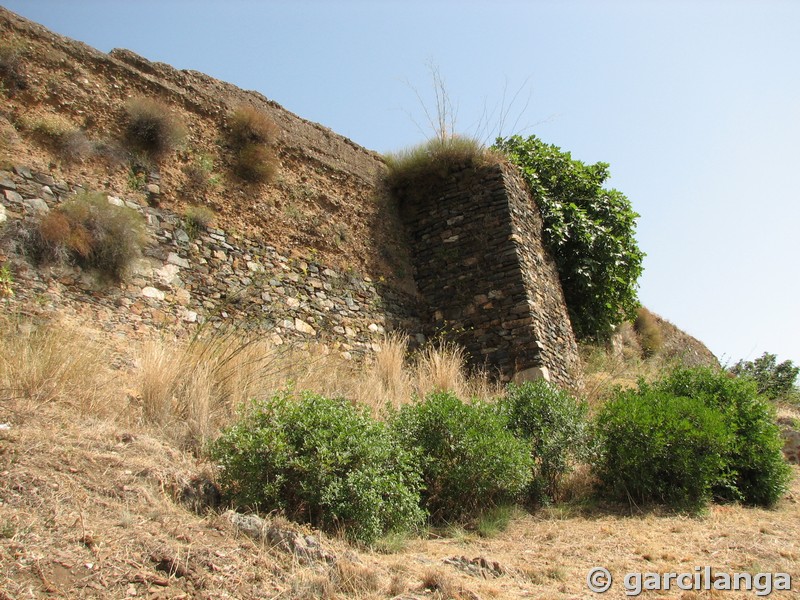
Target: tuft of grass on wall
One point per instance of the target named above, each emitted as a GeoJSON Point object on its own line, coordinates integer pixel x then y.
{"type": "Point", "coordinates": [197, 218]}
{"type": "Point", "coordinates": [249, 125]}
{"type": "Point", "coordinates": [255, 164]}
{"type": "Point", "coordinates": [151, 127]}
{"type": "Point", "coordinates": [92, 232]}
{"type": "Point", "coordinates": [12, 77]}
{"type": "Point", "coordinates": [648, 332]}
{"type": "Point", "coordinates": [435, 159]}
{"type": "Point", "coordinates": [61, 136]}
{"type": "Point", "coordinates": [252, 135]}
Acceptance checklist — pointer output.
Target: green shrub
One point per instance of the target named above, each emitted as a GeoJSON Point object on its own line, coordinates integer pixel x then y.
{"type": "Point", "coordinates": [648, 331]}
{"type": "Point", "coordinates": [92, 232]}
{"type": "Point", "coordinates": [758, 472]}
{"type": "Point", "coordinates": [151, 128]}
{"type": "Point", "coordinates": [773, 379]}
{"type": "Point", "coordinates": [656, 447]}
{"type": "Point", "coordinates": [321, 461]}
{"type": "Point", "coordinates": [470, 461]}
{"type": "Point", "coordinates": [554, 425]}
{"type": "Point", "coordinates": [255, 163]}
{"type": "Point", "coordinates": [434, 160]}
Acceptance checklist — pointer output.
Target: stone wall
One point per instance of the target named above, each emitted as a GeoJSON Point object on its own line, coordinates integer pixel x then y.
{"type": "Point", "coordinates": [182, 280]}
{"type": "Point", "coordinates": [483, 274]}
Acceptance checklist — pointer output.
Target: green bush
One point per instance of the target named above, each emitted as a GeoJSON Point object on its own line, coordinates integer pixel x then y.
{"type": "Point", "coordinates": [470, 461]}
{"type": "Point", "coordinates": [151, 128]}
{"type": "Point", "coordinates": [588, 229]}
{"type": "Point", "coordinates": [322, 461]}
{"type": "Point", "coordinates": [554, 425]}
{"type": "Point", "coordinates": [758, 472]}
{"type": "Point", "coordinates": [92, 232]}
{"type": "Point", "coordinates": [656, 447]}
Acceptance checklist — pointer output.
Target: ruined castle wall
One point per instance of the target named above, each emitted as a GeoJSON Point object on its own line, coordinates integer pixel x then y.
{"type": "Point", "coordinates": [484, 277]}
{"type": "Point", "coordinates": [183, 281]}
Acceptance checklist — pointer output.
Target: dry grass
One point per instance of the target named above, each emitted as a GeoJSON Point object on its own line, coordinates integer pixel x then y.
{"type": "Point", "coordinates": [151, 127]}
{"type": "Point", "coordinates": [51, 363]}
{"type": "Point", "coordinates": [433, 160]}
{"type": "Point", "coordinates": [620, 364]}
{"type": "Point", "coordinates": [649, 333]}
{"type": "Point", "coordinates": [92, 232]}
{"type": "Point", "coordinates": [255, 163]}
{"type": "Point", "coordinates": [194, 389]}
{"type": "Point", "coordinates": [395, 378]}
{"type": "Point", "coordinates": [248, 125]}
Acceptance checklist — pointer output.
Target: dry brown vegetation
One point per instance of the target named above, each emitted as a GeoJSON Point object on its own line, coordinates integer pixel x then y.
{"type": "Point", "coordinates": [101, 445]}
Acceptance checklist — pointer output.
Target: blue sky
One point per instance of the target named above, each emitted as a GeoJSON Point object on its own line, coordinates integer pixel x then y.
{"type": "Point", "coordinates": [695, 105]}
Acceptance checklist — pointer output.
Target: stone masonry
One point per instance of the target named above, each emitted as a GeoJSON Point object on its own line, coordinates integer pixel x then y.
{"type": "Point", "coordinates": [484, 276]}
{"type": "Point", "coordinates": [183, 281]}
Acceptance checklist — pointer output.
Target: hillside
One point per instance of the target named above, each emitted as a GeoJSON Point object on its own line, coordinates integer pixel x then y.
{"type": "Point", "coordinates": [110, 389]}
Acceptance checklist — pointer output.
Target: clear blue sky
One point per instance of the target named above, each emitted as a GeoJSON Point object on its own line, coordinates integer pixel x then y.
{"type": "Point", "coordinates": [695, 105]}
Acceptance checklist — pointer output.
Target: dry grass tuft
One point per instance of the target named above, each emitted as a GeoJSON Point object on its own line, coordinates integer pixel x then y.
{"type": "Point", "coordinates": [192, 390]}
{"type": "Point", "coordinates": [255, 163]}
{"type": "Point", "coordinates": [47, 363]}
{"type": "Point", "coordinates": [151, 127]}
{"type": "Point", "coordinates": [248, 125]}
{"type": "Point", "coordinates": [354, 579]}
{"type": "Point", "coordinates": [91, 231]}
{"type": "Point", "coordinates": [252, 135]}
{"type": "Point", "coordinates": [12, 74]}
{"type": "Point", "coordinates": [649, 332]}
{"type": "Point", "coordinates": [442, 585]}
{"type": "Point", "coordinates": [435, 159]}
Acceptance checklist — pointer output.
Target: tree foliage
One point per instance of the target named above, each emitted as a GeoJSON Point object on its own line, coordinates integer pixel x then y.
{"type": "Point", "coordinates": [773, 379]}
{"type": "Point", "coordinates": [588, 229]}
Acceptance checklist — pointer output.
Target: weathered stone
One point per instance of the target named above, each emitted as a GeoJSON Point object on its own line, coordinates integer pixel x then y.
{"type": "Point", "coordinates": [151, 292]}
{"type": "Point", "coordinates": [3, 216]}
{"type": "Point", "coordinates": [532, 374]}
{"type": "Point", "coordinates": [174, 259]}
{"type": "Point", "coordinates": [304, 327]}
{"type": "Point", "coordinates": [12, 196]}
{"type": "Point", "coordinates": [189, 316]}
{"type": "Point", "coordinates": [116, 201]}
{"type": "Point", "coordinates": [36, 205]}
{"type": "Point", "coordinates": [44, 179]}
